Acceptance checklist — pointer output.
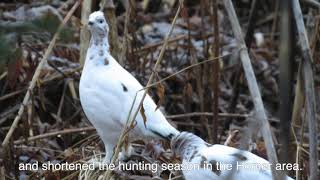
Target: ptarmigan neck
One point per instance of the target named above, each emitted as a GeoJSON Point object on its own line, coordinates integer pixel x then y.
{"type": "Point", "coordinates": [99, 41]}
{"type": "Point", "coordinates": [99, 51]}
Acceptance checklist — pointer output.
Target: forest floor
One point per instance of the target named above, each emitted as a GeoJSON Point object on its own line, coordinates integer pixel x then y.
{"type": "Point", "coordinates": [53, 127]}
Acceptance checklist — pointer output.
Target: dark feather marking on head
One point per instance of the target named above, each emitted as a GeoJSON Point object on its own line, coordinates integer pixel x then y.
{"type": "Point", "coordinates": [106, 61]}
{"type": "Point", "coordinates": [203, 162]}
{"type": "Point", "coordinates": [215, 169]}
{"type": "Point", "coordinates": [193, 155]}
{"type": "Point", "coordinates": [185, 142]}
{"type": "Point", "coordinates": [125, 89]}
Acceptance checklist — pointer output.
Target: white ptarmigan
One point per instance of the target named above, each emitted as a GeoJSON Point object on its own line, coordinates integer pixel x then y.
{"type": "Point", "coordinates": [218, 162]}
{"type": "Point", "coordinates": [107, 92]}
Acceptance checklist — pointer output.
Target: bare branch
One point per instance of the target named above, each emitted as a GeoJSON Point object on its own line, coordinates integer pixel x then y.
{"type": "Point", "coordinates": [308, 87]}
{"type": "Point", "coordinates": [55, 133]}
{"type": "Point", "coordinates": [253, 88]}
{"type": "Point", "coordinates": [84, 33]}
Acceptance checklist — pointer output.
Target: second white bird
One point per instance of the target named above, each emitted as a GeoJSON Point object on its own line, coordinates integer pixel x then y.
{"type": "Point", "coordinates": [218, 162]}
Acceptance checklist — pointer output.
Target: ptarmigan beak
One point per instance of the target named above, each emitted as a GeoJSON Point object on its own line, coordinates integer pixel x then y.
{"type": "Point", "coordinates": [90, 23]}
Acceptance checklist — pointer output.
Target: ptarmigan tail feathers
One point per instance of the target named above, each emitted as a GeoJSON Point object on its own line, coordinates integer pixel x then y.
{"type": "Point", "coordinates": [163, 130]}
{"type": "Point", "coordinates": [156, 123]}
{"type": "Point", "coordinates": [165, 133]}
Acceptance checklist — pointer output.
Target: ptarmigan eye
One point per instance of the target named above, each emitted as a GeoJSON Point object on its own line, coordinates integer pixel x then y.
{"type": "Point", "coordinates": [101, 21]}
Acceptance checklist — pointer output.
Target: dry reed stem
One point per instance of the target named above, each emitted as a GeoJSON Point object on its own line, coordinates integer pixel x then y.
{"type": "Point", "coordinates": [254, 89]}
{"type": "Point", "coordinates": [108, 7]}
{"type": "Point", "coordinates": [285, 80]}
{"type": "Point", "coordinates": [216, 71]}
{"type": "Point", "coordinates": [308, 87]}
{"type": "Point", "coordinates": [84, 33]}
{"type": "Point", "coordinates": [124, 46]}
{"type": "Point", "coordinates": [312, 3]}
{"type": "Point", "coordinates": [55, 133]}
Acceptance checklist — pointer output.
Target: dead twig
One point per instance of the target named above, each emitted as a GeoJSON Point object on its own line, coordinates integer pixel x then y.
{"type": "Point", "coordinates": [84, 33]}
{"type": "Point", "coordinates": [275, 18]}
{"type": "Point", "coordinates": [252, 22]}
{"type": "Point", "coordinates": [124, 46]}
{"type": "Point", "coordinates": [298, 99]}
{"type": "Point", "coordinates": [107, 6]}
{"type": "Point", "coordinates": [216, 70]}
{"type": "Point", "coordinates": [9, 95]}
{"type": "Point", "coordinates": [7, 113]}
{"type": "Point", "coordinates": [239, 72]}
{"type": "Point", "coordinates": [299, 146]}
{"type": "Point", "coordinates": [186, 68]}
{"type": "Point", "coordinates": [56, 133]}
{"type": "Point", "coordinates": [285, 76]}
{"type": "Point", "coordinates": [313, 3]}
{"type": "Point", "coordinates": [155, 45]}
{"type": "Point", "coordinates": [45, 81]}
{"type": "Point", "coordinates": [307, 77]}
{"type": "Point", "coordinates": [253, 88]}
{"type": "Point", "coordinates": [171, 40]}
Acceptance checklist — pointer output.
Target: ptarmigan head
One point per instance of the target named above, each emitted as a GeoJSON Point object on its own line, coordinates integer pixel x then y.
{"type": "Point", "coordinates": [98, 24]}
{"type": "Point", "coordinates": [185, 143]}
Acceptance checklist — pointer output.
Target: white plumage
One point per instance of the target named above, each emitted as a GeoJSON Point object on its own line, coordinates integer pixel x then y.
{"type": "Point", "coordinates": [107, 91]}
{"type": "Point", "coordinates": [221, 162]}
